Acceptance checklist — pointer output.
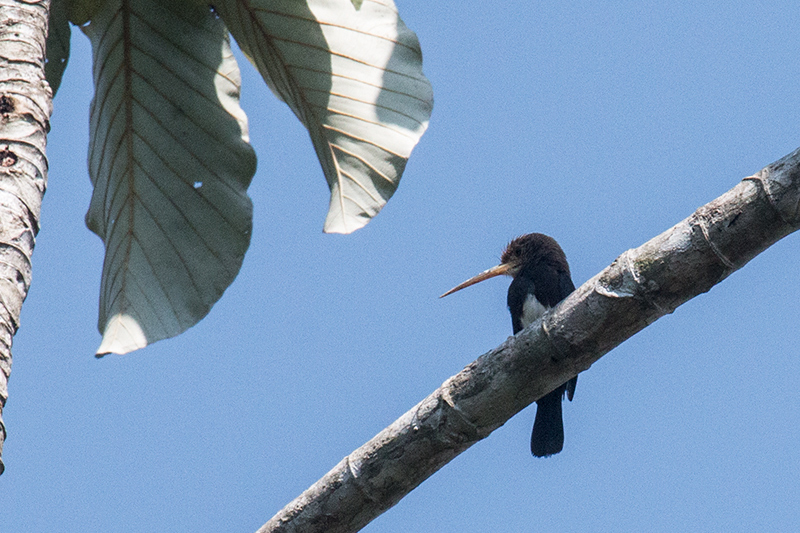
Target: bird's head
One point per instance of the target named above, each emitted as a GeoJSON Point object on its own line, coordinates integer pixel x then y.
{"type": "Point", "coordinates": [523, 252]}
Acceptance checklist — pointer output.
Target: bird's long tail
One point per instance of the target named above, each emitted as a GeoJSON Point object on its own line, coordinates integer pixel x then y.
{"type": "Point", "coordinates": [547, 437]}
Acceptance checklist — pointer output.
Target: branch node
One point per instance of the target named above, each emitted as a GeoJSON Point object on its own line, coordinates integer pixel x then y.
{"type": "Point", "coordinates": [448, 400]}
{"type": "Point", "coordinates": [631, 285]}
{"type": "Point", "coordinates": [703, 223]}
{"type": "Point", "coordinates": [355, 473]}
{"type": "Point", "coordinates": [558, 353]}
{"type": "Point", "coordinates": [779, 183]}
{"type": "Point", "coordinates": [762, 179]}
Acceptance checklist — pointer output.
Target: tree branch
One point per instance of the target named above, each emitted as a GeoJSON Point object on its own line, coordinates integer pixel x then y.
{"type": "Point", "coordinates": [640, 286]}
{"type": "Point", "coordinates": [25, 107]}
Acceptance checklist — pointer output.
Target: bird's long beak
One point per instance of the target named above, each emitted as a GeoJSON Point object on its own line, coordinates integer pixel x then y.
{"type": "Point", "coordinates": [498, 270]}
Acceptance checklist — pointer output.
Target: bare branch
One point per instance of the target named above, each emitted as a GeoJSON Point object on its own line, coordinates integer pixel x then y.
{"type": "Point", "coordinates": [640, 286]}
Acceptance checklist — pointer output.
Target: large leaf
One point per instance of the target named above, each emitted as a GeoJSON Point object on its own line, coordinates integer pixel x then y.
{"type": "Point", "coordinates": [170, 162]}
{"type": "Point", "coordinates": [354, 78]}
{"type": "Point", "coordinates": [80, 12]}
{"type": "Point", "coordinates": [58, 35]}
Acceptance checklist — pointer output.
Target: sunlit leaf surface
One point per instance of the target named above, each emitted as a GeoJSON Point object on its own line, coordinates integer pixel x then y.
{"type": "Point", "coordinates": [354, 78]}
{"type": "Point", "coordinates": [170, 162]}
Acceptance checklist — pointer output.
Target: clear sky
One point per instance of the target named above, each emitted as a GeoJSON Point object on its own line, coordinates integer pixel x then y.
{"type": "Point", "coordinates": [599, 123]}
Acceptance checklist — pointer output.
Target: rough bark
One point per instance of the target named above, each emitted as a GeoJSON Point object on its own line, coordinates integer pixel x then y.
{"type": "Point", "coordinates": [25, 107]}
{"type": "Point", "coordinates": [640, 286]}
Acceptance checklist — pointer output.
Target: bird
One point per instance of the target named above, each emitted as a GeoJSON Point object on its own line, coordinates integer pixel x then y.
{"type": "Point", "coordinates": [541, 279]}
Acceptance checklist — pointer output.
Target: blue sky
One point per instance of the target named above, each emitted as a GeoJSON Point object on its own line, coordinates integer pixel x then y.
{"type": "Point", "coordinates": [602, 125]}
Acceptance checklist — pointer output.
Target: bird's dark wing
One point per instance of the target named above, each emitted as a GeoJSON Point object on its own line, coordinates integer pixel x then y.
{"type": "Point", "coordinates": [553, 286]}
{"type": "Point", "coordinates": [566, 288]}
{"type": "Point", "coordinates": [550, 287]}
{"type": "Point", "coordinates": [518, 291]}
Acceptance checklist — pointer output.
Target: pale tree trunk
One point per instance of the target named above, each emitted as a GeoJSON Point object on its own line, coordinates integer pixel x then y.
{"type": "Point", "coordinates": [25, 107]}
{"type": "Point", "coordinates": [640, 286]}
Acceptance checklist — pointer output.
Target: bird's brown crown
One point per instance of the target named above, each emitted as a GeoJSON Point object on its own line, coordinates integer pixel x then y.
{"type": "Point", "coordinates": [532, 249]}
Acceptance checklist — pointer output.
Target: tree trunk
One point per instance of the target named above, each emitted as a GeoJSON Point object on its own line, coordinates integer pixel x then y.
{"type": "Point", "coordinates": [25, 107]}
{"type": "Point", "coordinates": [640, 286]}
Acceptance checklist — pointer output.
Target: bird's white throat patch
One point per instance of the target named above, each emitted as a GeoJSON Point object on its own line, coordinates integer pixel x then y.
{"type": "Point", "coordinates": [532, 310]}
